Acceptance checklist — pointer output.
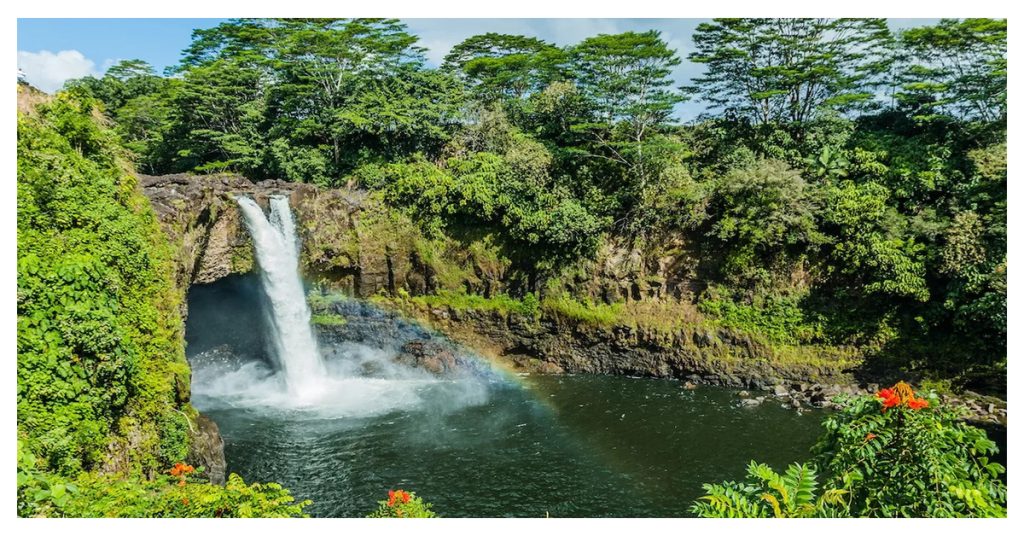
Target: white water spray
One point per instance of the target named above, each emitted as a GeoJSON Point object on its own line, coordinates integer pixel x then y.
{"type": "Point", "coordinates": [293, 345]}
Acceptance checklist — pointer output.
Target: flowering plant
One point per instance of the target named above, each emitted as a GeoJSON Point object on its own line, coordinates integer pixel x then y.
{"type": "Point", "coordinates": [402, 503]}
{"type": "Point", "coordinates": [900, 454]}
{"type": "Point", "coordinates": [893, 454]}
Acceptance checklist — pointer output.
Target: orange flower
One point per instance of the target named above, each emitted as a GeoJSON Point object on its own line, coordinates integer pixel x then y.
{"type": "Point", "coordinates": [869, 437]}
{"type": "Point", "coordinates": [891, 401]}
{"type": "Point", "coordinates": [184, 500]}
{"type": "Point", "coordinates": [917, 403]}
{"type": "Point", "coordinates": [885, 393]}
{"type": "Point", "coordinates": [180, 469]}
{"type": "Point", "coordinates": [399, 496]}
{"type": "Point", "coordinates": [181, 483]}
{"type": "Point", "coordinates": [903, 391]}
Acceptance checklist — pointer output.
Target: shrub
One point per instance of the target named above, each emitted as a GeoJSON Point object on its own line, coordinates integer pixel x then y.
{"type": "Point", "coordinates": [779, 319]}
{"type": "Point", "coordinates": [402, 503]}
{"type": "Point", "coordinates": [894, 454]}
{"type": "Point", "coordinates": [179, 492]}
{"type": "Point", "coordinates": [900, 455]}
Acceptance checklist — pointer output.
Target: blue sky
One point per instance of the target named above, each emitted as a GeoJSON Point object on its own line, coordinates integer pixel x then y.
{"type": "Point", "coordinates": [51, 51]}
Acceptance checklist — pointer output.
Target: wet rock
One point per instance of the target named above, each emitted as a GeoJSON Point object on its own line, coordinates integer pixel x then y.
{"type": "Point", "coordinates": [689, 386]}
{"type": "Point", "coordinates": [207, 449]}
{"type": "Point", "coordinates": [781, 391]}
{"type": "Point", "coordinates": [743, 394]}
{"type": "Point", "coordinates": [433, 356]}
{"type": "Point", "coordinates": [750, 402]}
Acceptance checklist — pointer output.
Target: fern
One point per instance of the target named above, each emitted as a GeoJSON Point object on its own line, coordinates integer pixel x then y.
{"type": "Point", "coordinates": [766, 493]}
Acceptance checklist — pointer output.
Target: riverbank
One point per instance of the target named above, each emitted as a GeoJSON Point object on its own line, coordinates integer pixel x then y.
{"type": "Point", "coordinates": [549, 343]}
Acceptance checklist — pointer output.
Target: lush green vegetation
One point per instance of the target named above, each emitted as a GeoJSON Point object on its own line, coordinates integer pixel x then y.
{"type": "Point", "coordinates": [103, 385]}
{"type": "Point", "coordinates": [895, 454]}
{"type": "Point", "coordinates": [846, 186]}
{"type": "Point", "coordinates": [171, 494]}
{"type": "Point", "coordinates": [100, 353]}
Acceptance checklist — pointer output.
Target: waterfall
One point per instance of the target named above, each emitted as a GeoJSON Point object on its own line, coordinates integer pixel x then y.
{"type": "Point", "coordinates": [292, 343]}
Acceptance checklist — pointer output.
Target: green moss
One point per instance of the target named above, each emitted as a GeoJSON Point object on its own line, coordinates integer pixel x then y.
{"type": "Point", "coordinates": [242, 261]}
{"type": "Point", "coordinates": [320, 302]}
{"type": "Point", "coordinates": [461, 301]}
{"type": "Point", "coordinates": [599, 314]}
{"type": "Point", "coordinates": [328, 320]}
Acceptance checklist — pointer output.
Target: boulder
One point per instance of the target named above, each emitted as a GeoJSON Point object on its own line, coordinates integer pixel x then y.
{"type": "Point", "coordinates": [207, 449]}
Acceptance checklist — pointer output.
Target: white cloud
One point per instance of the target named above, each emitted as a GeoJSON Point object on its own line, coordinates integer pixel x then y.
{"type": "Point", "coordinates": [48, 71]}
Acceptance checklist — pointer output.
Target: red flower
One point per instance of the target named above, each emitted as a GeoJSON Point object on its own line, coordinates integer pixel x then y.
{"type": "Point", "coordinates": [917, 403]}
{"type": "Point", "coordinates": [885, 393]}
{"type": "Point", "coordinates": [399, 496]}
{"type": "Point", "coordinates": [890, 401]}
{"type": "Point", "coordinates": [180, 469]}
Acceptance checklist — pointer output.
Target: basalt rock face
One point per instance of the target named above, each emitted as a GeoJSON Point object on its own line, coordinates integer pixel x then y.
{"type": "Point", "coordinates": [208, 449]}
{"type": "Point", "coordinates": [349, 242]}
{"type": "Point", "coordinates": [552, 344]}
{"type": "Point", "coordinates": [354, 244]}
{"type": "Point", "coordinates": [407, 342]}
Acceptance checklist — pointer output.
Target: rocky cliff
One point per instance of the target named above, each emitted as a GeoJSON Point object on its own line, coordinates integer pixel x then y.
{"type": "Point", "coordinates": [355, 245]}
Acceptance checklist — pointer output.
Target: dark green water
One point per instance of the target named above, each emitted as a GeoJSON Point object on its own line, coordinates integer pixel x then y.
{"type": "Point", "coordinates": [566, 446]}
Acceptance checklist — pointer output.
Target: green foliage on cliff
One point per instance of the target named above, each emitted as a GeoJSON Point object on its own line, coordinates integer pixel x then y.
{"type": "Point", "coordinates": [101, 364]}
{"type": "Point", "coordinates": [501, 303]}
{"type": "Point", "coordinates": [103, 384]}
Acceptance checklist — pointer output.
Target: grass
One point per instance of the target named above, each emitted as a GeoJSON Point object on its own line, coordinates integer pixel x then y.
{"type": "Point", "coordinates": [461, 301]}
{"type": "Point", "coordinates": [598, 314]}
{"type": "Point", "coordinates": [328, 320]}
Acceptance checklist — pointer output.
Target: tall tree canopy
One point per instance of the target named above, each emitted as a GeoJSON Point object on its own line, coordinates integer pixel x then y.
{"type": "Point", "coordinates": [788, 70]}
{"type": "Point", "coordinates": [957, 68]}
{"type": "Point", "coordinates": [501, 66]}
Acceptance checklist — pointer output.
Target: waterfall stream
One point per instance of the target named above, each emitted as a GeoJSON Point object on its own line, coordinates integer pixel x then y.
{"type": "Point", "coordinates": [292, 343]}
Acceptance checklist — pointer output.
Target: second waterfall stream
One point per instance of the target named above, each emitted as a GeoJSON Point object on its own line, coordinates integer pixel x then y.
{"type": "Point", "coordinates": [292, 343]}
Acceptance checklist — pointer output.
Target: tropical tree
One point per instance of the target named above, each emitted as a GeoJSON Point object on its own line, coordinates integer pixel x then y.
{"type": "Point", "coordinates": [956, 67]}
{"type": "Point", "coordinates": [505, 67]}
{"type": "Point", "coordinates": [625, 81]}
{"type": "Point", "coordinates": [785, 71]}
